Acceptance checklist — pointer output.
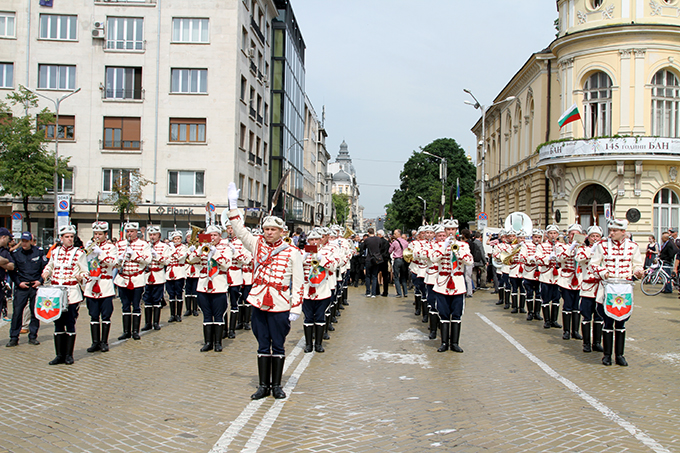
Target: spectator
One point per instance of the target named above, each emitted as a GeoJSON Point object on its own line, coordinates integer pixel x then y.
{"type": "Point", "coordinates": [466, 236]}
{"type": "Point", "coordinates": [6, 265]}
{"type": "Point", "coordinates": [667, 257]}
{"type": "Point", "coordinates": [374, 258]}
{"type": "Point", "coordinates": [652, 251]}
{"type": "Point", "coordinates": [385, 265]}
{"type": "Point", "coordinates": [399, 266]}
{"type": "Point", "coordinates": [479, 271]}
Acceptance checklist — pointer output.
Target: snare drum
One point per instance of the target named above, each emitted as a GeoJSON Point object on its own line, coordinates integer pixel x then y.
{"type": "Point", "coordinates": [618, 298]}
{"type": "Point", "coordinates": [50, 302]}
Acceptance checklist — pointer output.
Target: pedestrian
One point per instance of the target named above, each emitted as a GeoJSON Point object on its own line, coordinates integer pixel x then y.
{"type": "Point", "coordinates": [276, 295]}
{"type": "Point", "coordinates": [399, 266]}
{"type": "Point", "coordinates": [616, 258]}
{"type": "Point", "coordinates": [66, 267]}
{"type": "Point", "coordinates": [652, 251]}
{"type": "Point", "coordinates": [98, 288]}
{"type": "Point", "coordinates": [374, 258]}
{"type": "Point", "coordinates": [175, 275]}
{"type": "Point", "coordinates": [466, 236]}
{"type": "Point", "coordinates": [667, 256]}
{"type": "Point", "coordinates": [384, 267]}
{"type": "Point", "coordinates": [29, 262]}
{"type": "Point", "coordinates": [479, 269]}
{"type": "Point", "coordinates": [6, 265]}
{"type": "Point", "coordinates": [134, 254]}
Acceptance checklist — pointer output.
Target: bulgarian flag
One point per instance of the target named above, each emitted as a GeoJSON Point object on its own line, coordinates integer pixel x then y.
{"type": "Point", "coordinates": [569, 116]}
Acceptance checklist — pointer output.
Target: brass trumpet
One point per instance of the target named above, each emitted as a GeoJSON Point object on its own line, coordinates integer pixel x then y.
{"type": "Point", "coordinates": [408, 255]}
{"type": "Point", "coordinates": [205, 249]}
{"type": "Point", "coordinates": [315, 262]}
{"type": "Point", "coordinates": [455, 247]}
{"type": "Point", "coordinates": [287, 240]}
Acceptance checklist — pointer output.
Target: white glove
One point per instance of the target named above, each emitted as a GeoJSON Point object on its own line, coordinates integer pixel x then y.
{"type": "Point", "coordinates": [121, 257]}
{"type": "Point", "coordinates": [304, 256]}
{"type": "Point", "coordinates": [213, 249]}
{"type": "Point", "coordinates": [232, 194]}
{"type": "Point", "coordinates": [192, 249]}
{"type": "Point", "coordinates": [128, 252]}
{"type": "Point", "coordinates": [154, 254]}
{"type": "Point", "coordinates": [89, 243]}
{"type": "Point", "coordinates": [447, 242]}
{"type": "Point", "coordinates": [96, 250]}
{"type": "Point", "coordinates": [572, 246]}
{"type": "Point", "coordinates": [292, 317]}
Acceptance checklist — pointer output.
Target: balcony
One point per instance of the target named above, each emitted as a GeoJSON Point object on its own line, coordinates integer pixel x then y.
{"type": "Point", "coordinates": [609, 149]}
{"type": "Point", "coordinates": [253, 67]}
{"type": "Point", "coordinates": [253, 113]}
{"type": "Point", "coordinates": [259, 118]}
{"type": "Point", "coordinates": [251, 157]}
{"type": "Point", "coordinates": [256, 27]}
{"type": "Point", "coordinates": [121, 145]}
{"type": "Point", "coordinates": [123, 95]}
{"type": "Point", "coordinates": [258, 160]}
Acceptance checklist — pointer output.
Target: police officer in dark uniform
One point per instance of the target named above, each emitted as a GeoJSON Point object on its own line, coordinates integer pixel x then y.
{"type": "Point", "coordinates": [6, 265]}
{"type": "Point", "coordinates": [29, 262]}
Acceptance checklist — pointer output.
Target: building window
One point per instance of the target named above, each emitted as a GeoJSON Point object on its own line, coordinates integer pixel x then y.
{"type": "Point", "coordinates": [55, 77]}
{"type": "Point", "coordinates": [241, 183]}
{"type": "Point", "coordinates": [244, 88]}
{"type": "Point", "coordinates": [123, 83]}
{"type": "Point", "coordinates": [242, 138]}
{"type": "Point", "coordinates": [666, 211]}
{"type": "Point", "coordinates": [125, 33]}
{"type": "Point", "coordinates": [62, 28]}
{"type": "Point", "coordinates": [65, 185]}
{"type": "Point", "coordinates": [6, 75]}
{"type": "Point", "coordinates": [250, 188]}
{"type": "Point", "coordinates": [189, 81]}
{"type": "Point", "coordinates": [6, 25]}
{"type": "Point", "coordinates": [597, 100]}
{"type": "Point", "coordinates": [116, 179]}
{"type": "Point", "coordinates": [187, 130]}
{"type": "Point", "coordinates": [596, 3]}
{"type": "Point", "coordinates": [66, 128]}
{"type": "Point", "coordinates": [122, 133]}
{"type": "Point", "coordinates": [186, 182]}
{"type": "Point", "coordinates": [190, 30]}
{"type": "Point", "coordinates": [665, 103]}
{"type": "Point", "coordinates": [244, 40]}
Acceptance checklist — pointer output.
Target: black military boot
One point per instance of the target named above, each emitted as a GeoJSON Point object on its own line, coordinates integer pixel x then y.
{"type": "Point", "coordinates": [501, 296]}
{"type": "Point", "coordinates": [554, 313]}
{"type": "Point", "coordinates": [530, 309]}
{"type": "Point", "coordinates": [194, 304]}
{"type": "Point", "coordinates": [425, 309]}
{"type": "Point", "coordinates": [264, 372]}
{"type": "Point", "coordinates": [455, 337]}
{"type": "Point", "coordinates": [106, 328]}
{"type": "Point", "coordinates": [318, 338]}
{"type": "Point", "coordinates": [575, 323]}
{"type": "Point", "coordinates": [537, 309]}
{"type": "Point", "coordinates": [218, 329]}
{"type": "Point", "coordinates": [173, 310]}
{"type": "Point", "coordinates": [309, 340]}
{"type": "Point", "coordinates": [246, 316]}
{"type": "Point", "coordinates": [329, 321]}
{"type": "Point", "coordinates": [546, 316]}
{"type": "Point", "coordinates": [619, 344]}
{"type": "Point", "coordinates": [418, 304]}
{"type": "Point", "coordinates": [514, 298]}
{"type": "Point", "coordinates": [506, 296]}
{"type": "Point", "coordinates": [233, 318]}
{"type": "Point", "coordinates": [277, 373]}
{"type": "Point", "coordinates": [240, 317]}
{"type": "Point", "coordinates": [136, 321]}
{"type": "Point", "coordinates": [522, 302]}
{"type": "Point", "coordinates": [189, 299]}
{"type": "Point", "coordinates": [148, 318]}
{"type": "Point", "coordinates": [597, 335]}
{"type": "Point", "coordinates": [334, 314]}
{"type": "Point", "coordinates": [208, 330]}
{"type": "Point", "coordinates": [127, 321]}
{"type": "Point", "coordinates": [95, 332]}
{"type": "Point", "coordinates": [566, 320]}
{"type": "Point", "coordinates": [445, 337]}
{"type": "Point", "coordinates": [178, 312]}
{"type": "Point", "coordinates": [59, 348]}
{"type": "Point", "coordinates": [585, 332]}
{"type": "Point", "coordinates": [434, 325]}
{"type": "Point", "coordinates": [156, 318]}
{"type": "Point", "coordinates": [607, 343]}
{"type": "Point", "coordinates": [70, 343]}
{"type": "Point", "coordinates": [344, 296]}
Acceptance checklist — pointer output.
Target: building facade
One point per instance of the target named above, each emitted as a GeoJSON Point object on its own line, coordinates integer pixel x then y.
{"type": "Point", "coordinates": [154, 98]}
{"type": "Point", "coordinates": [345, 183]}
{"type": "Point", "coordinates": [618, 61]}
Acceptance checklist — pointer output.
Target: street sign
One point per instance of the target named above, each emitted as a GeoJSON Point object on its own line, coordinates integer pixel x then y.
{"type": "Point", "coordinates": [481, 224]}
{"type": "Point", "coordinates": [482, 216]}
{"type": "Point", "coordinates": [210, 207]}
{"type": "Point", "coordinates": [63, 209]}
{"type": "Point", "coordinates": [17, 223]}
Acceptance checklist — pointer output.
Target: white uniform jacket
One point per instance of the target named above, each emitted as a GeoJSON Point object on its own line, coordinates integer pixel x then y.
{"type": "Point", "coordinates": [131, 274]}
{"type": "Point", "coordinates": [63, 267]}
{"type": "Point", "coordinates": [99, 281]}
{"type": "Point", "coordinates": [451, 277]}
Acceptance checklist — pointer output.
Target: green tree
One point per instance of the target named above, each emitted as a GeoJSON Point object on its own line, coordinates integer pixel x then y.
{"type": "Point", "coordinates": [26, 166]}
{"type": "Point", "coordinates": [420, 177]}
{"type": "Point", "coordinates": [341, 203]}
{"type": "Point", "coordinates": [126, 192]}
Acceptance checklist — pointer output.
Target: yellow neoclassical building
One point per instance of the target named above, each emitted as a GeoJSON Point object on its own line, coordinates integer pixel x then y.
{"type": "Point", "coordinates": [619, 62]}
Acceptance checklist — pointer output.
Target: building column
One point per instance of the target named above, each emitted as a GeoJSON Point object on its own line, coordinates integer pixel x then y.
{"type": "Point", "coordinates": [567, 66]}
{"type": "Point", "coordinates": [639, 105]}
{"type": "Point", "coordinates": [624, 102]}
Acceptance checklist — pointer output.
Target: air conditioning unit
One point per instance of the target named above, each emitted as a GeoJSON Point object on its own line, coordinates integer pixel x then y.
{"type": "Point", "coordinates": [266, 78]}
{"type": "Point", "coordinates": [251, 52]}
{"type": "Point", "coordinates": [99, 25]}
{"type": "Point", "coordinates": [98, 33]}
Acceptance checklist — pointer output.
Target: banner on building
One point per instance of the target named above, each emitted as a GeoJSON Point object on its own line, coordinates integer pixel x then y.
{"type": "Point", "coordinates": [608, 146]}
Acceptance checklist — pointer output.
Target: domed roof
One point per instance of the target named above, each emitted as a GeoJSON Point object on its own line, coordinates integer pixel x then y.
{"type": "Point", "coordinates": [342, 176]}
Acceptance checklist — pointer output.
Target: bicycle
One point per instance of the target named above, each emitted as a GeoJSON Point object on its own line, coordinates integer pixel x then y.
{"type": "Point", "coordinates": [656, 279]}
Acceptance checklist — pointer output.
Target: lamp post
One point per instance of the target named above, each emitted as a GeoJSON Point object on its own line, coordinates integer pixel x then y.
{"type": "Point", "coordinates": [479, 106]}
{"type": "Point", "coordinates": [442, 176]}
{"type": "Point", "coordinates": [57, 103]}
{"type": "Point", "coordinates": [424, 207]}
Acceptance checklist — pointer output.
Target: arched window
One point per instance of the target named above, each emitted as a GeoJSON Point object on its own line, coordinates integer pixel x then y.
{"type": "Point", "coordinates": [666, 211]}
{"type": "Point", "coordinates": [590, 206]}
{"type": "Point", "coordinates": [507, 158]}
{"type": "Point", "coordinates": [518, 135]}
{"type": "Point", "coordinates": [597, 103]}
{"type": "Point", "coordinates": [665, 104]}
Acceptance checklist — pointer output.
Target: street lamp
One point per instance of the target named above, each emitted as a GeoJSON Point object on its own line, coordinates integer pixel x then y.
{"type": "Point", "coordinates": [424, 207]}
{"type": "Point", "coordinates": [477, 105]}
{"type": "Point", "coordinates": [57, 103]}
{"type": "Point", "coordinates": [442, 176]}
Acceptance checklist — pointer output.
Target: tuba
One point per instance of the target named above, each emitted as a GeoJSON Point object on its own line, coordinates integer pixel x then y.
{"type": "Point", "coordinates": [193, 239]}
{"type": "Point", "coordinates": [348, 233]}
{"type": "Point", "coordinates": [408, 255]}
{"type": "Point", "coordinates": [520, 222]}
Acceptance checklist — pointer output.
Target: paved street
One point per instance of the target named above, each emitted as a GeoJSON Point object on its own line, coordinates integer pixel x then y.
{"type": "Point", "coordinates": [380, 386]}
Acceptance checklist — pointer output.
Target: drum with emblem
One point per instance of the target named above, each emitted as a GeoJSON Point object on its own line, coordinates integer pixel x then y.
{"type": "Point", "coordinates": [50, 302]}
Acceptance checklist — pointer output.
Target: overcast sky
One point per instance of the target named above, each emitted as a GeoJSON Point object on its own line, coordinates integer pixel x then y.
{"type": "Point", "coordinates": [391, 73]}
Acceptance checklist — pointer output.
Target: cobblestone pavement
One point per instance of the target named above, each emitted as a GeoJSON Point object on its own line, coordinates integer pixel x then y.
{"type": "Point", "coordinates": [380, 386]}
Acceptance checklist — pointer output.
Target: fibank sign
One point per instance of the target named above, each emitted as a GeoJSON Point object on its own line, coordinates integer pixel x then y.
{"type": "Point", "coordinates": [171, 210]}
{"type": "Point", "coordinates": [605, 146]}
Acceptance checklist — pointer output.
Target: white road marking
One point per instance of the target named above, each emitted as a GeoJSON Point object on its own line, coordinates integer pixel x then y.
{"type": "Point", "coordinates": [594, 402]}
{"type": "Point", "coordinates": [237, 425]}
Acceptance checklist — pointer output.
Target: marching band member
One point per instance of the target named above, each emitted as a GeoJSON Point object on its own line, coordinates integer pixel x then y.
{"type": "Point", "coordinates": [98, 287]}
{"type": "Point", "coordinates": [193, 272]}
{"type": "Point", "coordinates": [133, 256]}
{"type": "Point", "coordinates": [546, 259]}
{"type": "Point", "coordinates": [616, 258]}
{"type": "Point", "coordinates": [496, 248]}
{"type": "Point", "coordinates": [215, 259]}
{"type": "Point", "coordinates": [515, 241]}
{"type": "Point", "coordinates": [418, 268]}
{"type": "Point", "coordinates": [504, 246]}
{"type": "Point", "coordinates": [235, 282]}
{"type": "Point", "coordinates": [278, 285]}
{"type": "Point", "coordinates": [436, 234]}
{"type": "Point", "coordinates": [155, 279]}
{"type": "Point", "coordinates": [175, 275]}
{"type": "Point", "coordinates": [245, 309]}
{"type": "Point", "coordinates": [530, 274]}
{"type": "Point", "coordinates": [589, 290]}
{"type": "Point", "coordinates": [66, 267]}
{"type": "Point", "coordinates": [319, 267]}
{"type": "Point", "coordinates": [451, 255]}
{"type": "Point", "coordinates": [569, 283]}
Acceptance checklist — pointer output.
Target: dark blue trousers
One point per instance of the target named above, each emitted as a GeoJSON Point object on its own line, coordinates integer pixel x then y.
{"type": "Point", "coordinates": [130, 299]}
{"type": "Point", "coordinates": [100, 308]}
{"type": "Point", "coordinates": [314, 310]}
{"type": "Point", "coordinates": [175, 288]}
{"type": "Point", "coordinates": [589, 310]}
{"type": "Point", "coordinates": [190, 286]}
{"type": "Point", "coordinates": [569, 300]}
{"type": "Point", "coordinates": [610, 323]}
{"type": "Point", "coordinates": [67, 320]}
{"type": "Point", "coordinates": [550, 294]}
{"type": "Point", "coordinates": [271, 330]}
{"type": "Point", "coordinates": [23, 297]}
{"type": "Point", "coordinates": [153, 295]}
{"type": "Point", "coordinates": [450, 307]}
{"type": "Point", "coordinates": [213, 306]}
